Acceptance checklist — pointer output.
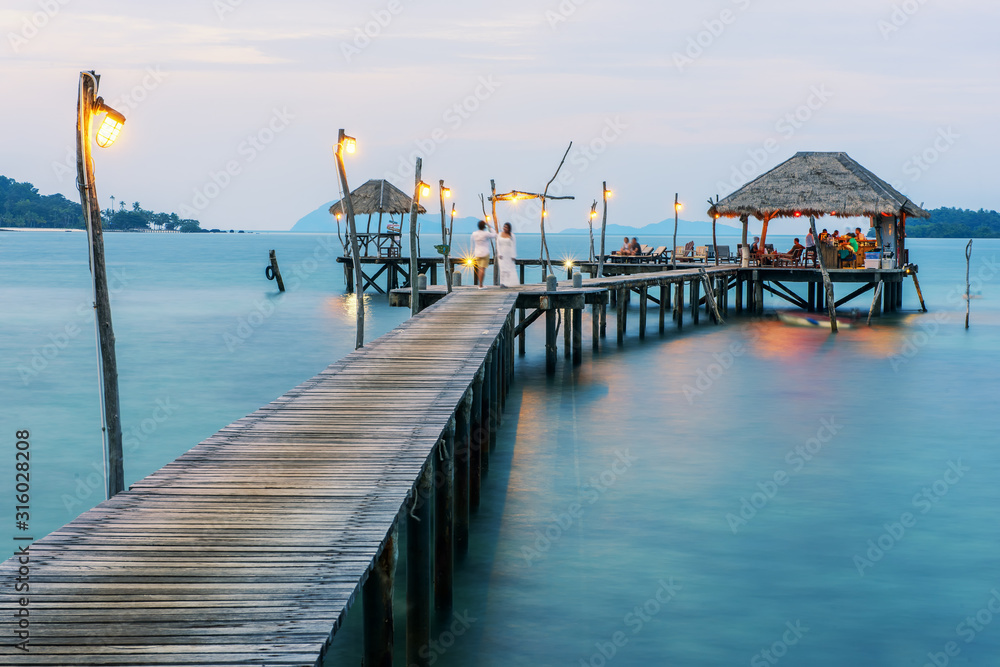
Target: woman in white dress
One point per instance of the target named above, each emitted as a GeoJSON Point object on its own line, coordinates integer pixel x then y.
{"type": "Point", "coordinates": [506, 252]}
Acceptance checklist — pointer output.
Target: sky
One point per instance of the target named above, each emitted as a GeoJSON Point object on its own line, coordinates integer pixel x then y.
{"type": "Point", "coordinates": [233, 106]}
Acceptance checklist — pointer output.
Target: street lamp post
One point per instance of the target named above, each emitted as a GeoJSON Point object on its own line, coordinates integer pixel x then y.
{"type": "Point", "coordinates": [349, 144]}
{"type": "Point", "coordinates": [445, 239]}
{"type": "Point", "coordinates": [88, 106]}
{"type": "Point", "coordinates": [677, 210]}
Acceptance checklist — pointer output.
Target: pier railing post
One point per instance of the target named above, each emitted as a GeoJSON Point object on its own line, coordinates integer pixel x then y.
{"type": "Point", "coordinates": [418, 570]}
{"type": "Point", "coordinates": [444, 519]}
{"type": "Point", "coordinates": [462, 433]}
{"type": "Point", "coordinates": [377, 596]}
{"type": "Point", "coordinates": [475, 441]}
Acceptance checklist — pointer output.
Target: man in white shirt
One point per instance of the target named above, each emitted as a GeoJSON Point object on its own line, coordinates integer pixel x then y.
{"type": "Point", "coordinates": [810, 250]}
{"type": "Point", "coordinates": [481, 251]}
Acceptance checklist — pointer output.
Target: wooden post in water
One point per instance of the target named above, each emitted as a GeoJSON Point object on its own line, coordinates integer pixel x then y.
{"type": "Point", "coordinates": [520, 320]}
{"type": "Point", "coordinates": [758, 294]}
{"type": "Point", "coordinates": [621, 313]}
{"type": "Point", "coordinates": [920, 295]}
{"type": "Point", "coordinates": [604, 318]}
{"type": "Point", "coordinates": [418, 570]}
{"type": "Point", "coordinates": [273, 272]}
{"type": "Point", "coordinates": [496, 390]}
{"type": "Point", "coordinates": [643, 297]}
{"type": "Point", "coordinates": [577, 336]}
{"type": "Point", "coordinates": [664, 292]}
{"type": "Point", "coordinates": [827, 284]}
{"type": "Point", "coordinates": [968, 285]}
{"type": "Point", "coordinates": [695, 298]}
{"type": "Point", "coordinates": [567, 331]}
{"type": "Point", "coordinates": [604, 226]}
{"type": "Point", "coordinates": [550, 340]}
{"type": "Point", "coordinates": [377, 599]}
{"type": "Point", "coordinates": [486, 420]}
{"type": "Point", "coordinates": [444, 519]}
{"type": "Point", "coordinates": [595, 325]}
{"type": "Point", "coordinates": [878, 293]}
{"type": "Point", "coordinates": [463, 432]}
{"type": "Point", "coordinates": [679, 305]}
{"type": "Point", "coordinates": [476, 441]}
{"type": "Point", "coordinates": [87, 106]}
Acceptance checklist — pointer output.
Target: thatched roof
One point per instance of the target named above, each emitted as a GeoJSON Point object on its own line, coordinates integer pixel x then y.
{"type": "Point", "coordinates": [377, 196]}
{"type": "Point", "coordinates": [812, 183]}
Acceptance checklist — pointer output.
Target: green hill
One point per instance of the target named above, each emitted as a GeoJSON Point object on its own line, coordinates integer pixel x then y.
{"type": "Point", "coordinates": [955, 223]}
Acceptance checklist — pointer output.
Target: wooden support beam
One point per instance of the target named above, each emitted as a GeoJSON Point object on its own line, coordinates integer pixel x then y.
{"type": "Point", "coordinates": [577, 336]}
{"type": "Point", "coordinates": [679, 305]}
{"type": "Point", "coordinates": [856, 293]}
{"type": "Point", "coordinates": [495, 399]}
{"type": "Point", "coordinates": [463, 431]}
{"type": "Point", "coordinates": [444, 519]}
{"type": "Point", "coordinates": [622, 312]}
{"type": "Point", "coordinates": [604, 319]}
{"type": "Point", "coordinates": [525, 323]}
{"type": "Point", "coordinates": [550, 341]}
{"type": "Point", "coordinates": [521, 326]}
{"type": "Point", "coordinates": [475, 441]}
{"type": "Point", "coordinates": [643, 297]}
{"type": "Point", "coordinates": [811, 298]}
{"type": "Point", "coordinates": [275, 273]}
{"type": "Point", "coordinates": [567, 332]}
{"type": "Point", "coordinates": [377, 596]}
{"type": "Point", "coordinates": [695, 283]}
{"type": "Point", "coordinates": [418, 570]}
{"type": "Point", "coordinates": [595, 326]}
{"type": "Point", "coordinates": [486, 420]}
{"type": "Point", "coordinates": [664, 299]}
{"type": "Point", "coordinates": [920, 295]}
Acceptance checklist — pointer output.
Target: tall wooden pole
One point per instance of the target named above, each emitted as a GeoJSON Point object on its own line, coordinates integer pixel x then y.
{"type": "Point", "coordinates": [352, 230]}
{"type": "Point", "coordinates": [590, 225]}
{"type": "Point", "coordinates": [968, 293]}
{"type": "Point", "coordinates": [414, 251]}
{"type": "Point", "coordinates": [496, 228]}
{"type": "Point", "coordinates": [831, 305]}
{"type": "Point", "coordinates": [673, 251]}
{"type": "Point", "coordinates": [604, 227]}
{"type": "Point", "coordinates": [111, 418]}
{"type": "Point", "coordinates": [545, 194]}
{"type": "Point", "coordinates": [444, 238]}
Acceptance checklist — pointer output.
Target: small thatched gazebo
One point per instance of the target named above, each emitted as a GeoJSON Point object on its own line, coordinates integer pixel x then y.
{"type": "Point", "coordinates": [379, 196]}
{"type": "Point", "coordinates": [818, 184]}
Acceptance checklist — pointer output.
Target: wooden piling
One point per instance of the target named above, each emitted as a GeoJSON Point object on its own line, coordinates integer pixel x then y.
{"type": "Point", "coordinates": [550, 341]}
{"type": "Point", "coordinates": [577, 336]}
{"type": "Point", "coordinates": [418, 571]}
{"type": "Point", "coordinates": [739, 294]}
{"type": "Point", "coordinates": [377, 596]}
{"type": "Point", "coordinates": [486, 418]}
{"type": "Point", "coordinates": [604, 318]}
{"type": "Point", "coordinates": [475, 441]}
{"type": "Point", "coordinates": [679, 305]}
{"type": "Point", "coordinates": [462, 434]}
{"type": "Point", "coordinates": [664, 298]}
{"type": "Point", "coordinates": [920, 295]}
{"type": "Point", "coordinates": [695, 298]}
{"type": "Point", "coordinates": [444, 519]}
{"type": "Point", "coordinates": [567, 331]}
{"type": "Point", "coordinates": [642, 311]}
{"type": "Point", "coordinates": [495, 391]}
{"type": "Point", "coordinates": [273, 272]}
{"type": "Point", "coordinates": [520, 320]}
{"type": "Point", "coordinates": [621, 313]}
{"type": "Point", "coordinates": [595, 325]}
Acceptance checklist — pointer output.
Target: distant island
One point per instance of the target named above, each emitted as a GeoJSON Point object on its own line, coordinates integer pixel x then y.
{"type": "Point", "coordinates": [22, 207]}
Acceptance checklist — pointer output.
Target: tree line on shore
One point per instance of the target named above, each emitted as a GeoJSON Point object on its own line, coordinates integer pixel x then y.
{"type": "Point", "coordinates": [22, 206]}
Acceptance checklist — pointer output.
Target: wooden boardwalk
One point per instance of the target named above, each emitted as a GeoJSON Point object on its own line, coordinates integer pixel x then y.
{"type": "Point", "coordinates": [250, 548]}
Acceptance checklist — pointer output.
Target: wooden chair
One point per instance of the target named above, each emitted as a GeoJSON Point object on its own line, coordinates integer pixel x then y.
{"type": "Point", "coordinates": [724, 256]}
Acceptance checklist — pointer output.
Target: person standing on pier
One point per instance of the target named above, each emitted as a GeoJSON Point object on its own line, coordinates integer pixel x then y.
{"type": "Point", "coordinates": [506, 254]}
{"type": "Point", "coordinates": [481, 251]}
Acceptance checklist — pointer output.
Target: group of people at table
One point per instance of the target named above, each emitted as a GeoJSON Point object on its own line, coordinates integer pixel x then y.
{"type": "Point", "coordinates": [849, 247]}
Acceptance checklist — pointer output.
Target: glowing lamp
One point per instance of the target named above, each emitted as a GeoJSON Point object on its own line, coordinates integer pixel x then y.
{"type": "Point", "coordinates": [112, 125]}
{"type": "Point", "coordinates": [593, 214]}
{"type": "Point", "coordinates": [425, 190]}
{"type": "Point", "coordinates": [568, 264]}
{"type": "Point", "coordinates": [798, 214]}
{"type": "Point", "coordinates": [678, 206]}
{"type": "Point", "coordinates": [350, 144]}
{"type": "Point", "coordinates": [453, 213]}
{"type": "Point", "coordinates": [607, 194]}
{"type": "Point", "coordinates": [446, 192]}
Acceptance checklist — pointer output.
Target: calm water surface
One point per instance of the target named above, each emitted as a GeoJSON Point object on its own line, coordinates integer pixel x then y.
{"type": "Point", "coordinates": [685, 500]}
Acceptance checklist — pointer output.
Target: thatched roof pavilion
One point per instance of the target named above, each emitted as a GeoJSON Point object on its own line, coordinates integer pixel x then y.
{"type": "Point", "coordinates": [813, 183]}
{"type": "Point", "coordinates": [377, 196]}
{"type": "Point", "coordinates": [817, 184]}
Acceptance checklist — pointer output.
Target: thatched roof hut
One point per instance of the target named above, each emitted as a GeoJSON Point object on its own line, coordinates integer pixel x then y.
{"type": "Point", "coordinates": [377, 196]}
{"type": "Point", "coordinates": [814, 183]}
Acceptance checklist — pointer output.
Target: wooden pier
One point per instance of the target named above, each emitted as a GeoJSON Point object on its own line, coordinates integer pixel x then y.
{"type": "Point", "coordinates": [250, 548]}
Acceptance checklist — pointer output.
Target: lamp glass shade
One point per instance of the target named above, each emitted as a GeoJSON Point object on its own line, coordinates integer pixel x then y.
{"type": "Point", "coordinates": [350, 144]}
{"type": "Point", "coordinates": [110, 128]}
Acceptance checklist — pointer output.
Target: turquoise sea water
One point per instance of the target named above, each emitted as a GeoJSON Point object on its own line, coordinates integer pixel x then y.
{"type": "Point", "coordinates": [693, 499]}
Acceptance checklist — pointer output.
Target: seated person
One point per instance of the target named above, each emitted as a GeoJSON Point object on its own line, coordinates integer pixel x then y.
{"type": "Point", "coordinates": [796, 251]}
{"type": "Point", "coordinates": [754, 247]}
{"type": "Point", "coordinates": [634, 247]}
{"type": "Point", "coordinates": [824, 235]}
{"type": "Point", "coordinates": [853, 241]}
{"type": "Point", "coordinates": [626, 248]}
{"type": "Point", "coordinates": [847, 254]}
